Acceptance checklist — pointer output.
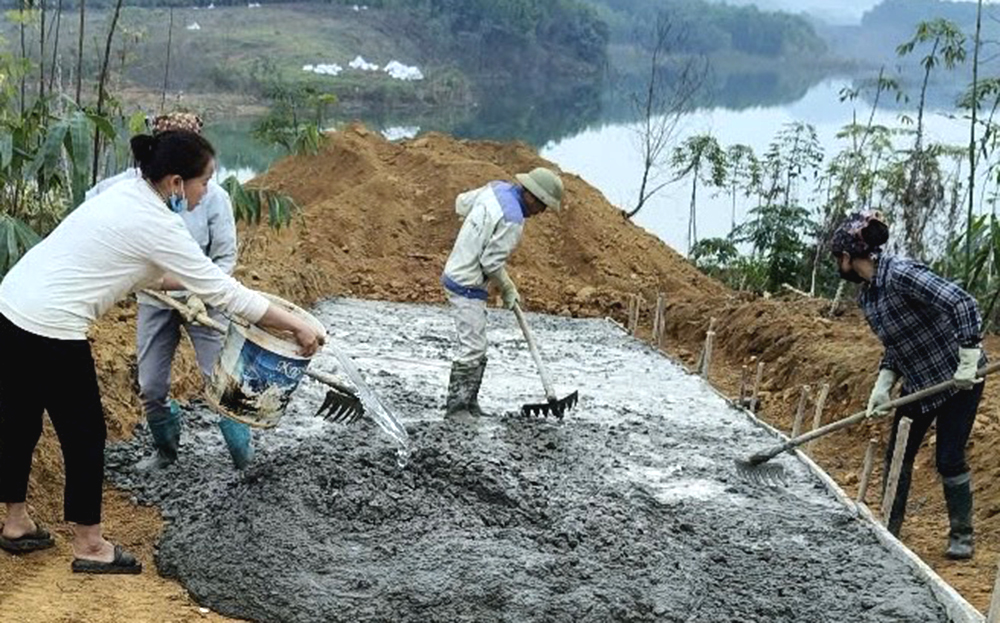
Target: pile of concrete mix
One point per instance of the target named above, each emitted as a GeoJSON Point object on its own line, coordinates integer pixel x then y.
{"type": "Point", "coordinates": [628, 510]}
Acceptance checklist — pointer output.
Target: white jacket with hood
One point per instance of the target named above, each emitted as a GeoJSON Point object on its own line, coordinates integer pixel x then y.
{"type": "Point", "coordinates": [493, 223]}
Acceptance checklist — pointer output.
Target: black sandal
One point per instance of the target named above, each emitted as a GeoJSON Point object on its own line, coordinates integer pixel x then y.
{"type": "Point", "coordinates": [30, 542]}
{"type": "Point", "coordinates": [124, 563]}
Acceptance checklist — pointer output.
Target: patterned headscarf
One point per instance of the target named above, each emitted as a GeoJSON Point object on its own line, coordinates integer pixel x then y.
{"type": "Point", "coordinates": [174, 121]}
{"type": "Point", "coordinates": [849, 236]}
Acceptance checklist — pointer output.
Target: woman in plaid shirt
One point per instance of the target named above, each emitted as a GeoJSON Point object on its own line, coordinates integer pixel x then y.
{"type": "Point", "coordinates": [930, 328]}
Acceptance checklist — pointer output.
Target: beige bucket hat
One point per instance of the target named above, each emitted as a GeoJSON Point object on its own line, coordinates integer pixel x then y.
{"type": "Point", "coordinates": [544, 184]}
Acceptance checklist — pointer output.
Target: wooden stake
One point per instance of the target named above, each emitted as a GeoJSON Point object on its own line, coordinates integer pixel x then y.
{"type": "Point", "coordinates": [866, 474]}
{"type": "Point", "coordinates": [706, 361]}
{"type": "Point", "coordinates": [656, 318]}
{"type": "Point", "coordinates": [744, 373]}
{"type": "Point", "coordinates": [661, 321]}
{"type": "Point", "coordinates": [637, 303]}
{"type": "Point", "coordinates": [631, 314]}
{"type": "Point", "coordinates": [902, 436]}
{"type": "Point", "coordinates": [755, 401]}
{"type": "Point", "coordinates": [994, 614]}
{"type": "Point", "coordinates": [836, 299]}
{"type": "Point", "coordinates": [824, 391]}
{"type": "Point", "coordinates": [801, 412]}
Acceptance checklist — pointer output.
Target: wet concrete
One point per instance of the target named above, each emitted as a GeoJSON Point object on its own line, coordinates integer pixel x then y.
{"type": "Point", "coordinates": [629, 510]}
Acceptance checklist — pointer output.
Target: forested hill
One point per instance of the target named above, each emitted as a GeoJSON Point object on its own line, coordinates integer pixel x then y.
{"type": "Point", "coordinates": [711, 28]}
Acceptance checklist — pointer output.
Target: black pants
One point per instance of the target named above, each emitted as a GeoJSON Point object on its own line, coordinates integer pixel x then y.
{"type": "Point", "coordinates": [41, 374]}
{"type": "Point", "coordinates": [954, 425]}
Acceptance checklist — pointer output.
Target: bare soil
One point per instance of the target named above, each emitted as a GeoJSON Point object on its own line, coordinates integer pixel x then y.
{"type": "Point", "coordinates": [377, 221]}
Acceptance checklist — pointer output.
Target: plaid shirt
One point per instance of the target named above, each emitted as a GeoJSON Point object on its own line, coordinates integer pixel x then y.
{"type": "Point", "coordinates": [922, 320]}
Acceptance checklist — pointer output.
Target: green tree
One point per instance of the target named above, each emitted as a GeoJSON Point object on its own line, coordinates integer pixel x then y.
{"type": "Point", "coordinates": [742, 175]}
{"type": "Point", "coordinates": [702, 159]}
{"type": "Point", "coordinates": [923, 189]}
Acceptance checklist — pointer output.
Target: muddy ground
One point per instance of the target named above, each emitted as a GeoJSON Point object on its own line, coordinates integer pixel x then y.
{"type": "Point", "coordinates": [629, 510]}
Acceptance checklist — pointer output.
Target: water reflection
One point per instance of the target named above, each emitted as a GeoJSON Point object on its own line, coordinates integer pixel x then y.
{"type": "Point", "coordinates": [528, 112]}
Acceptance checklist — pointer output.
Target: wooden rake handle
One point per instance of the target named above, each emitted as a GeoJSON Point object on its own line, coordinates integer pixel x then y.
{"type": "Point", "coordinates": [550, 392]}
{"type": "Point", "coordinates": [212, 323]}
{"type": "Point", "coordinates": [883, 410]}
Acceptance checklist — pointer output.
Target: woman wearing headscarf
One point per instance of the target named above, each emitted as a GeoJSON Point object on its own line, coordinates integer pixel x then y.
{"type": "Point", "coordinates": [158, 326]}
{"type": "Point", "coordinates": [127, 238]}
{"type": "Point", "coordinates": [930, 329]}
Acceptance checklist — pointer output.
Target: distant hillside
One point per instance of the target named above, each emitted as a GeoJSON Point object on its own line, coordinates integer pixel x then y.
{"type": "Point", "coordinates": [715, 28]}
{"type": "Point", "coordinates": [838, 12]}
{"type": "Point", "coordinates": [892, 22]}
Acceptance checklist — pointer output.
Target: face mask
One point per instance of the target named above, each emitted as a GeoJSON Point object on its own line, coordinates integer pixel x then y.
{"type": "Point", "coordinates": [176, 203]}
{"type": "Point", "coordinates": [850, 275]}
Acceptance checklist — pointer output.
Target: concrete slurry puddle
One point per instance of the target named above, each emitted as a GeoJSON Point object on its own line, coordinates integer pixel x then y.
{"type": "Point", "coordinates": [628, 510]}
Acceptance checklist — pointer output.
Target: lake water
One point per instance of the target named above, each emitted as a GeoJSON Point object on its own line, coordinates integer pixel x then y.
{"type": "Point", "coordinates": [605, 152]}
{"type": "Point", "coordinates": [608, 157]}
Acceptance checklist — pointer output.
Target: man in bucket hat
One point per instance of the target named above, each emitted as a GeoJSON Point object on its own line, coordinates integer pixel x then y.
{"type": "Point", "coordinates": [493, 223]}
{"type": "Point", "coordinates": [213, 227]}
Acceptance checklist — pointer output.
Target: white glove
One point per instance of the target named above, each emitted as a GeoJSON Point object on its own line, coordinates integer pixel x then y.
{"type": "Point", "coordinates": [508, 291]}
{"type": "Point", "coordinates": [968, 364]}
{"type": "Point", "coordinates": [880, 393]}
{"type": "Point", "coordinates": [195, 307]}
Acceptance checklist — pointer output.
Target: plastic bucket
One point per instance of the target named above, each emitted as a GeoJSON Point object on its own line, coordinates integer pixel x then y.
{"type": "Point", "coordinates": [257, 372]}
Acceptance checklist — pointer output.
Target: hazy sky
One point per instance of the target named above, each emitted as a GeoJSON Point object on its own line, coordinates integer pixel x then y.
{"type": "Point", "coordinates": [836, 10]}
{"type": "Point", "coordinates": [840, 10]}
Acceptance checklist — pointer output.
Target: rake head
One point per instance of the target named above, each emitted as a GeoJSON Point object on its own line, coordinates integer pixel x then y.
{"type": "Point", "coordinates": [341, 407]}
{"type": "Point", "coordinates": [770, 474]}
{"type": "Point", "coordinates": [557, 407]}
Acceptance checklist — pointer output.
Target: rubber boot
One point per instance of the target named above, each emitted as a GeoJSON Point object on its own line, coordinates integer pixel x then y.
{"type": "Point", "coordinates": [237, 436]}
{"type": "Point", "coordinates": [165, 427]}
{"type": "Point", "coordinates": [898, 512]}
{"type": "Point", "coordinates": [958, 497]}
{"type": "Point", "coordinates": [477, 382]}
{"type": "Point", "coordinates": [460, 392]}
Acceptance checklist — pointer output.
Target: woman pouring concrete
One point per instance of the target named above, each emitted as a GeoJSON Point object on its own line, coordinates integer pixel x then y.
{"type": "Point", "coordinates": [493, 222]}
{"type": "Point", "coordinates": [158, 327]}
{"type": "Point", "coordinates": [931, 332]}
{"type": "Point", "coordinates": [128, 237]}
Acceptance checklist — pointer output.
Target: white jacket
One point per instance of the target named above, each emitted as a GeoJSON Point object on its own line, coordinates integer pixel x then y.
{"type": "Point", "coordinates": [494, 222]}
{"type": "Point", "coordinates": [211, 224]}
{"type": "Point", "coordinates": [122, 240]}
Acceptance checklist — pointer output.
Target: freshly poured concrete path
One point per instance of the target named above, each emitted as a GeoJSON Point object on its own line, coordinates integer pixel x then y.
{"type": "Point", "coordinates": [628, 510]}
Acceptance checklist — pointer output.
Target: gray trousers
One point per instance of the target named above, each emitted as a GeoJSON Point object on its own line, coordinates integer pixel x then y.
{"type": "Point", "coordinates": [470, 325]}
{"type": "Point", "coordinates": [158, 334]}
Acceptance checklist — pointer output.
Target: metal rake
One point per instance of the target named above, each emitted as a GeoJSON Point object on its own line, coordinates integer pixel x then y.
{"type": "Point", "coordinates": [755, 467]}
{"type": "Point", "coordinates": [554, 405]}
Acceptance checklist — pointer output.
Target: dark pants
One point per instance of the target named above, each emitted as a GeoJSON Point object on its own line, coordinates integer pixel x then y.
{"type": "Point", "coordinates": [41, 374]}
{"type": "Point", "coordinates": [954, 425]}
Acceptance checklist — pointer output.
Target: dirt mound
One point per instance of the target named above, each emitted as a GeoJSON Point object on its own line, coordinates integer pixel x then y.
{"type": "Point", "coordinates": [377, 221]}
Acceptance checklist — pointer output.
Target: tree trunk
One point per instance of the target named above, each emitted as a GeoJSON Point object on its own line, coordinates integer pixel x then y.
{"type": "Point", "coordinates": [732, 226]}
{"type": "Point", "coordinates": [972, 144]}
{"type": "Point", "coordinates": [79, 55]}
{"type": "Point", "coordinates": [41, 54]}
{"type": "Point", "coordinates": [100, 87]}
{"type": "Point", "coordinates": [24, 58]}
{"type": "Point", "coordinates": [692, 220]}
{"type": "Point", "coordinates": [166, 67]}
{"type": "Point", "coordinates": [55, 47]}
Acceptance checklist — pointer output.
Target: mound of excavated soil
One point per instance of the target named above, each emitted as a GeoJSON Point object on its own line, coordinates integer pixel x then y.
{"type": "Point", "coordinates": [377, 221]}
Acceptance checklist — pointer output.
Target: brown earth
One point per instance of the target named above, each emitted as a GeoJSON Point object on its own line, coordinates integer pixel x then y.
{"type": "Point", "coordinates": [378, 222]}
